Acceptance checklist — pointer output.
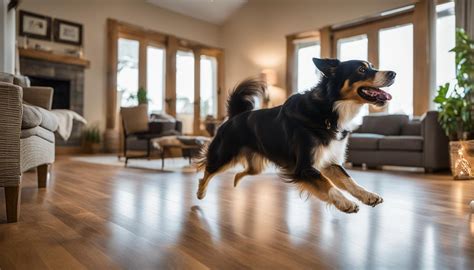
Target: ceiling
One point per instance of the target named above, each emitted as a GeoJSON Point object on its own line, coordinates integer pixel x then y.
{"type": "Point", "coordinates": [213, 11]}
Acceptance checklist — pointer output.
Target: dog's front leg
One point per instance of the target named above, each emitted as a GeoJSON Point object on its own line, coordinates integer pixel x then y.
{"type": "Point", "coordinates": [343, 180]}
{"type": "Point", "coordinates": [312, 181]}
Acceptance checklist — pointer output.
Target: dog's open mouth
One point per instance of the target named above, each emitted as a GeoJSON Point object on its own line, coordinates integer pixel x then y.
{"type": "Point", "coordinates": [374, 95]}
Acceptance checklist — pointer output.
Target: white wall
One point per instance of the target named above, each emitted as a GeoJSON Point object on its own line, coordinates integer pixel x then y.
{"type": "Point", "coordinates": [254, 37]}
{"type": "Point", "coordinates": [93, 15]}
{"type": "Point", "coordinates": [7, 38]}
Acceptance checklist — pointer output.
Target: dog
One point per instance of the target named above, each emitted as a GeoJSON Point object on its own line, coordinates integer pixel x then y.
{"type": "Point", "coordinates": [305, 138]}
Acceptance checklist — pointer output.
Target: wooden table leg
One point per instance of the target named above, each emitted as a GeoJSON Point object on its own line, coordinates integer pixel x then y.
{"type": "Point", "coordinates": [42, 174]}
{"type": "Point", "coordinates": [162, 158]}
{"type": "Point", "coordinates": [12, 203]}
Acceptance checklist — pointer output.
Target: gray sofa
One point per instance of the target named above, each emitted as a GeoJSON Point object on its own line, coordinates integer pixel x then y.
{"type": "Point", "coordinates": [396, 140]}
{"type": "Point", "coordinates": [26, 136]}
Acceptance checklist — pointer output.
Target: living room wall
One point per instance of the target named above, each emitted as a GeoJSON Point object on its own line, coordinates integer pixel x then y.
{"type": "Point", "coordinates": [93, 15]}
{"type": "Point", "coordinates": [254, 37]}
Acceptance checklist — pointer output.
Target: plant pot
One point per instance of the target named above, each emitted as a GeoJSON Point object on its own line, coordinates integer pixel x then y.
{"type": "Point", "coordinates": [461, 154]}
{"type": "Point", "coordinates": [91, 148]}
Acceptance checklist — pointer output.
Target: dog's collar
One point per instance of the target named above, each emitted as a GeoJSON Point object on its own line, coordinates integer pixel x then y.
{"type": "Point", "coordinates": [328, 124]}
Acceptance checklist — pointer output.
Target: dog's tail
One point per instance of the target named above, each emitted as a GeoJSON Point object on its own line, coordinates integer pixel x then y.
{"type": "Point", "coordinates": [242, 97]}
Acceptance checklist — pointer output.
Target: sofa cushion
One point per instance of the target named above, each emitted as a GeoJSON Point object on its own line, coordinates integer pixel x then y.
{"type": "Point", "coordinates": [35, 116]}
{"type": "Point", "coordinates": [383, 124]}
{"type": "Point", "coordinates": [364, 141]}
{"type": "Point", "coordinates": [21, 80]}
{"type": "Point", "coordinates": [6, 77]}
{"type": "Point", "coordinates": [37, 131]}
{"type": "Point", "coordinates": [50, 121]}
{"type": "Point", "coordinates": [412, 128]}
{"type": "Point", "coordinates": [402, 143]}
{"type": "Point", "coordinates": [31, 117]}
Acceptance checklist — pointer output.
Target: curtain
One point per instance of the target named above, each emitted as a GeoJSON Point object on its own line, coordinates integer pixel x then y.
{"type": "Point", "coordinates": [465, 16]}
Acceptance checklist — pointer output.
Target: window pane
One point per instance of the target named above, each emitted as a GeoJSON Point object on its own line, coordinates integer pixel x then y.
{"type": "Point", "coordinates": [445, 41]}
{"type": "Point", "coordinates": [307, 74]}
{"type": "Point", "coordinates": [155, 84]}
{"type": "Point", "coordinates": [208, 86]}
{"type": "Point", "coordinates": [185, 90]}
{"type": "Point", "coordinates": [352, 48]}
{"type": "Point", "coordinates": [396, 53]}
{"type": "Point", "coordinates": [127, 70]}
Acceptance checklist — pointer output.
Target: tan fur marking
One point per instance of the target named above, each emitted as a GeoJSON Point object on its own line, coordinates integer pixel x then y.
{"type": "Point", "coordinates": [255, 164]}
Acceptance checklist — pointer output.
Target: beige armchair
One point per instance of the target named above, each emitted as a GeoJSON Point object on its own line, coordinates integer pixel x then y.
{"type": "Point", "coordinates": [26, 136]}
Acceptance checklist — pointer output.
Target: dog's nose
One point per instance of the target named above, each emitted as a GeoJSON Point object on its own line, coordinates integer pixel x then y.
{"type": "Point", "coordinates": [391, 75]}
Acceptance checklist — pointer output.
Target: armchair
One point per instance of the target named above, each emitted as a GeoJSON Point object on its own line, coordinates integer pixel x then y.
{"type": "Point", "coordinates": [26, 137]}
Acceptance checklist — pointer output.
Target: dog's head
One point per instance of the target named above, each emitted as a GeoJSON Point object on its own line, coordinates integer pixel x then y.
{"type": "Point", "coordinates": [357, 80]}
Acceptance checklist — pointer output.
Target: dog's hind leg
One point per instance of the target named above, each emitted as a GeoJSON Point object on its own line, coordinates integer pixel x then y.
{"type": "Point", "coordinates": [215, 163]}
{"type": "Point", "coordinates": [255, 165]}
{"type": "Point", "coordinates": [343, 180]}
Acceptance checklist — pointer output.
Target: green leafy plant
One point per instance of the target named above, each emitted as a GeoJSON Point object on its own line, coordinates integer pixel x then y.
{"type": "Point", "coordinates": [454, 101]}
{"type": "Point", "coordinates": [141, 96]}
{"type": "Point", "coordinates": [91, 134]}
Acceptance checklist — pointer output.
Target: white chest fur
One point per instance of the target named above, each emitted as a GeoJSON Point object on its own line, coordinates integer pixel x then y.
{"type": "Point", "coordinates": [335, 151]}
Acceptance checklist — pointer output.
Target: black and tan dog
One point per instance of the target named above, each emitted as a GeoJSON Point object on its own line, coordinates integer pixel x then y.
{"type": "Point", "coordinates": [306, 137]}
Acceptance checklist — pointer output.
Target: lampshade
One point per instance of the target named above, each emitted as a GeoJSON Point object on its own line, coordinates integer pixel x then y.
{"type": "Point", "coordinates": [270, 76]}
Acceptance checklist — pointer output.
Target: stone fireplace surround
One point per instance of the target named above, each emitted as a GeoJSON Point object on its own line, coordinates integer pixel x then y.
{"type": "Point", "coordinates": [74, 74]}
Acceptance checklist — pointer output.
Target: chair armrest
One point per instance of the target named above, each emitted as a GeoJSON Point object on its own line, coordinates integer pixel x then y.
{"type": "Point", "coordinates": [436, 143]}
{"type": "Point", "coordinates": [39, 96]}
{"type": "Point", "coordinates": [10, 128]}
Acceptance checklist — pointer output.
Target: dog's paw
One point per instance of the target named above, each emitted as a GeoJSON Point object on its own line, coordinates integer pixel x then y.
{"type": "Point", "coordinates": [341, 202]}
{"type": "Point", "coordinates": [371, 199]}
{"type": "Point", "coordinates": [201, 193]}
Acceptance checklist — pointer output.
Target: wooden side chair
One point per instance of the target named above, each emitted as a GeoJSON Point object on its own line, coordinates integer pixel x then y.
{"type": "Point", "coordinates": [135, 124]}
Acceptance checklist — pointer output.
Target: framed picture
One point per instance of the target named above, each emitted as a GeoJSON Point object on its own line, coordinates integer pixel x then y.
{"type": "Point", "coordinates": [35, 25]}
{"type": "Point", "coordinates": [67, 32]}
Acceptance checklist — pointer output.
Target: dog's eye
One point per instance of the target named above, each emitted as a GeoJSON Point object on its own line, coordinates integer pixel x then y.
{"type": "Point", "coordinates": [362, 69]}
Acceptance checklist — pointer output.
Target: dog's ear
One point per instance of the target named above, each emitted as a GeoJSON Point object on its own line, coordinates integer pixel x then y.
{"type": "Point", "coordinates": [326, 66]}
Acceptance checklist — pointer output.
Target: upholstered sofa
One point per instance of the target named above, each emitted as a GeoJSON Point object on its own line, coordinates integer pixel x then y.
{"type": "Point", "coordinates": [397, 140]}
{"type": "Point", "coordinates": [26, 136]}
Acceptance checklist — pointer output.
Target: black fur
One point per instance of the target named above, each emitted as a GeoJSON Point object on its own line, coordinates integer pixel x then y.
{"type": "Point", "coordinates": [285, 135]}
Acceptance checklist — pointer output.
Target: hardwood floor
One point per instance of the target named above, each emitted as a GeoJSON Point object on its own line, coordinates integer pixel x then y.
{"type": "Point", "coordinates": [106, 217]}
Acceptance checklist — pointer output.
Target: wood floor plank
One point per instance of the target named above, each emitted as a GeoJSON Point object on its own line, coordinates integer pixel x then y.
{"type": "Point", "coordinates": [94, 216]}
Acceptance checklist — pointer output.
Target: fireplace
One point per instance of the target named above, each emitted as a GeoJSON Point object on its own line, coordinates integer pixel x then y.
{"type": "Point", "coordinates": [68, 83]}
{"type": "Point", "coordinates": [62, 90]}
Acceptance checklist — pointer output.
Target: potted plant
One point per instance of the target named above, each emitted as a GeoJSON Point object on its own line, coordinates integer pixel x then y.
{"type": "Point", "coordinates": [140, 97]}
{"type": "Point", "coordinates": [455, 106]}
{"type": "Point", "coordinates": [91, 139]}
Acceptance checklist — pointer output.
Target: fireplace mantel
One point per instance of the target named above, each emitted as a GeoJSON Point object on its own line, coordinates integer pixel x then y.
{"type": "Point", "coordinates": [54, 57]}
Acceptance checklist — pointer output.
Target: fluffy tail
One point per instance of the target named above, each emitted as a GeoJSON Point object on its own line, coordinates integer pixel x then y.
{"type": "Point", "coordinates": [242, 97]}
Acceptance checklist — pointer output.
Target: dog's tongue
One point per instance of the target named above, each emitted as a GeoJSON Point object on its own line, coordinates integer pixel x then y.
{"type": "Point", "coordinates": [378, 94]}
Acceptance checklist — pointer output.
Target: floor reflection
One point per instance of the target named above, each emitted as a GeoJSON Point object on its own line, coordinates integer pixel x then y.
{"type": "Point", "coordinates": [265, 222]}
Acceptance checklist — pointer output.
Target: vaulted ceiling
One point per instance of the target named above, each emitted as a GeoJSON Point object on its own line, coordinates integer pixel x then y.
{"type": "Point", "coordinates": [213, 11]}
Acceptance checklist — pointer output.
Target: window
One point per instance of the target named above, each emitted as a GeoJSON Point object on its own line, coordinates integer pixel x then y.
{"type": "Point", "coordinates": [445, 41]}
{"type": "Point", "coordinates": [208, 87]}
{"type": "Point", "coordinates": [396, 53]}
{"type": "Point", "coordinates": [352, 48]}
{"type": "Point", "coordinates": [155, 78]}
{"type": "Point", "coordinates": [307, 74]}
{"type": "Point", "coordinates": [185, 90]}
{"type": "Point", "coordinates": [127, 70]}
